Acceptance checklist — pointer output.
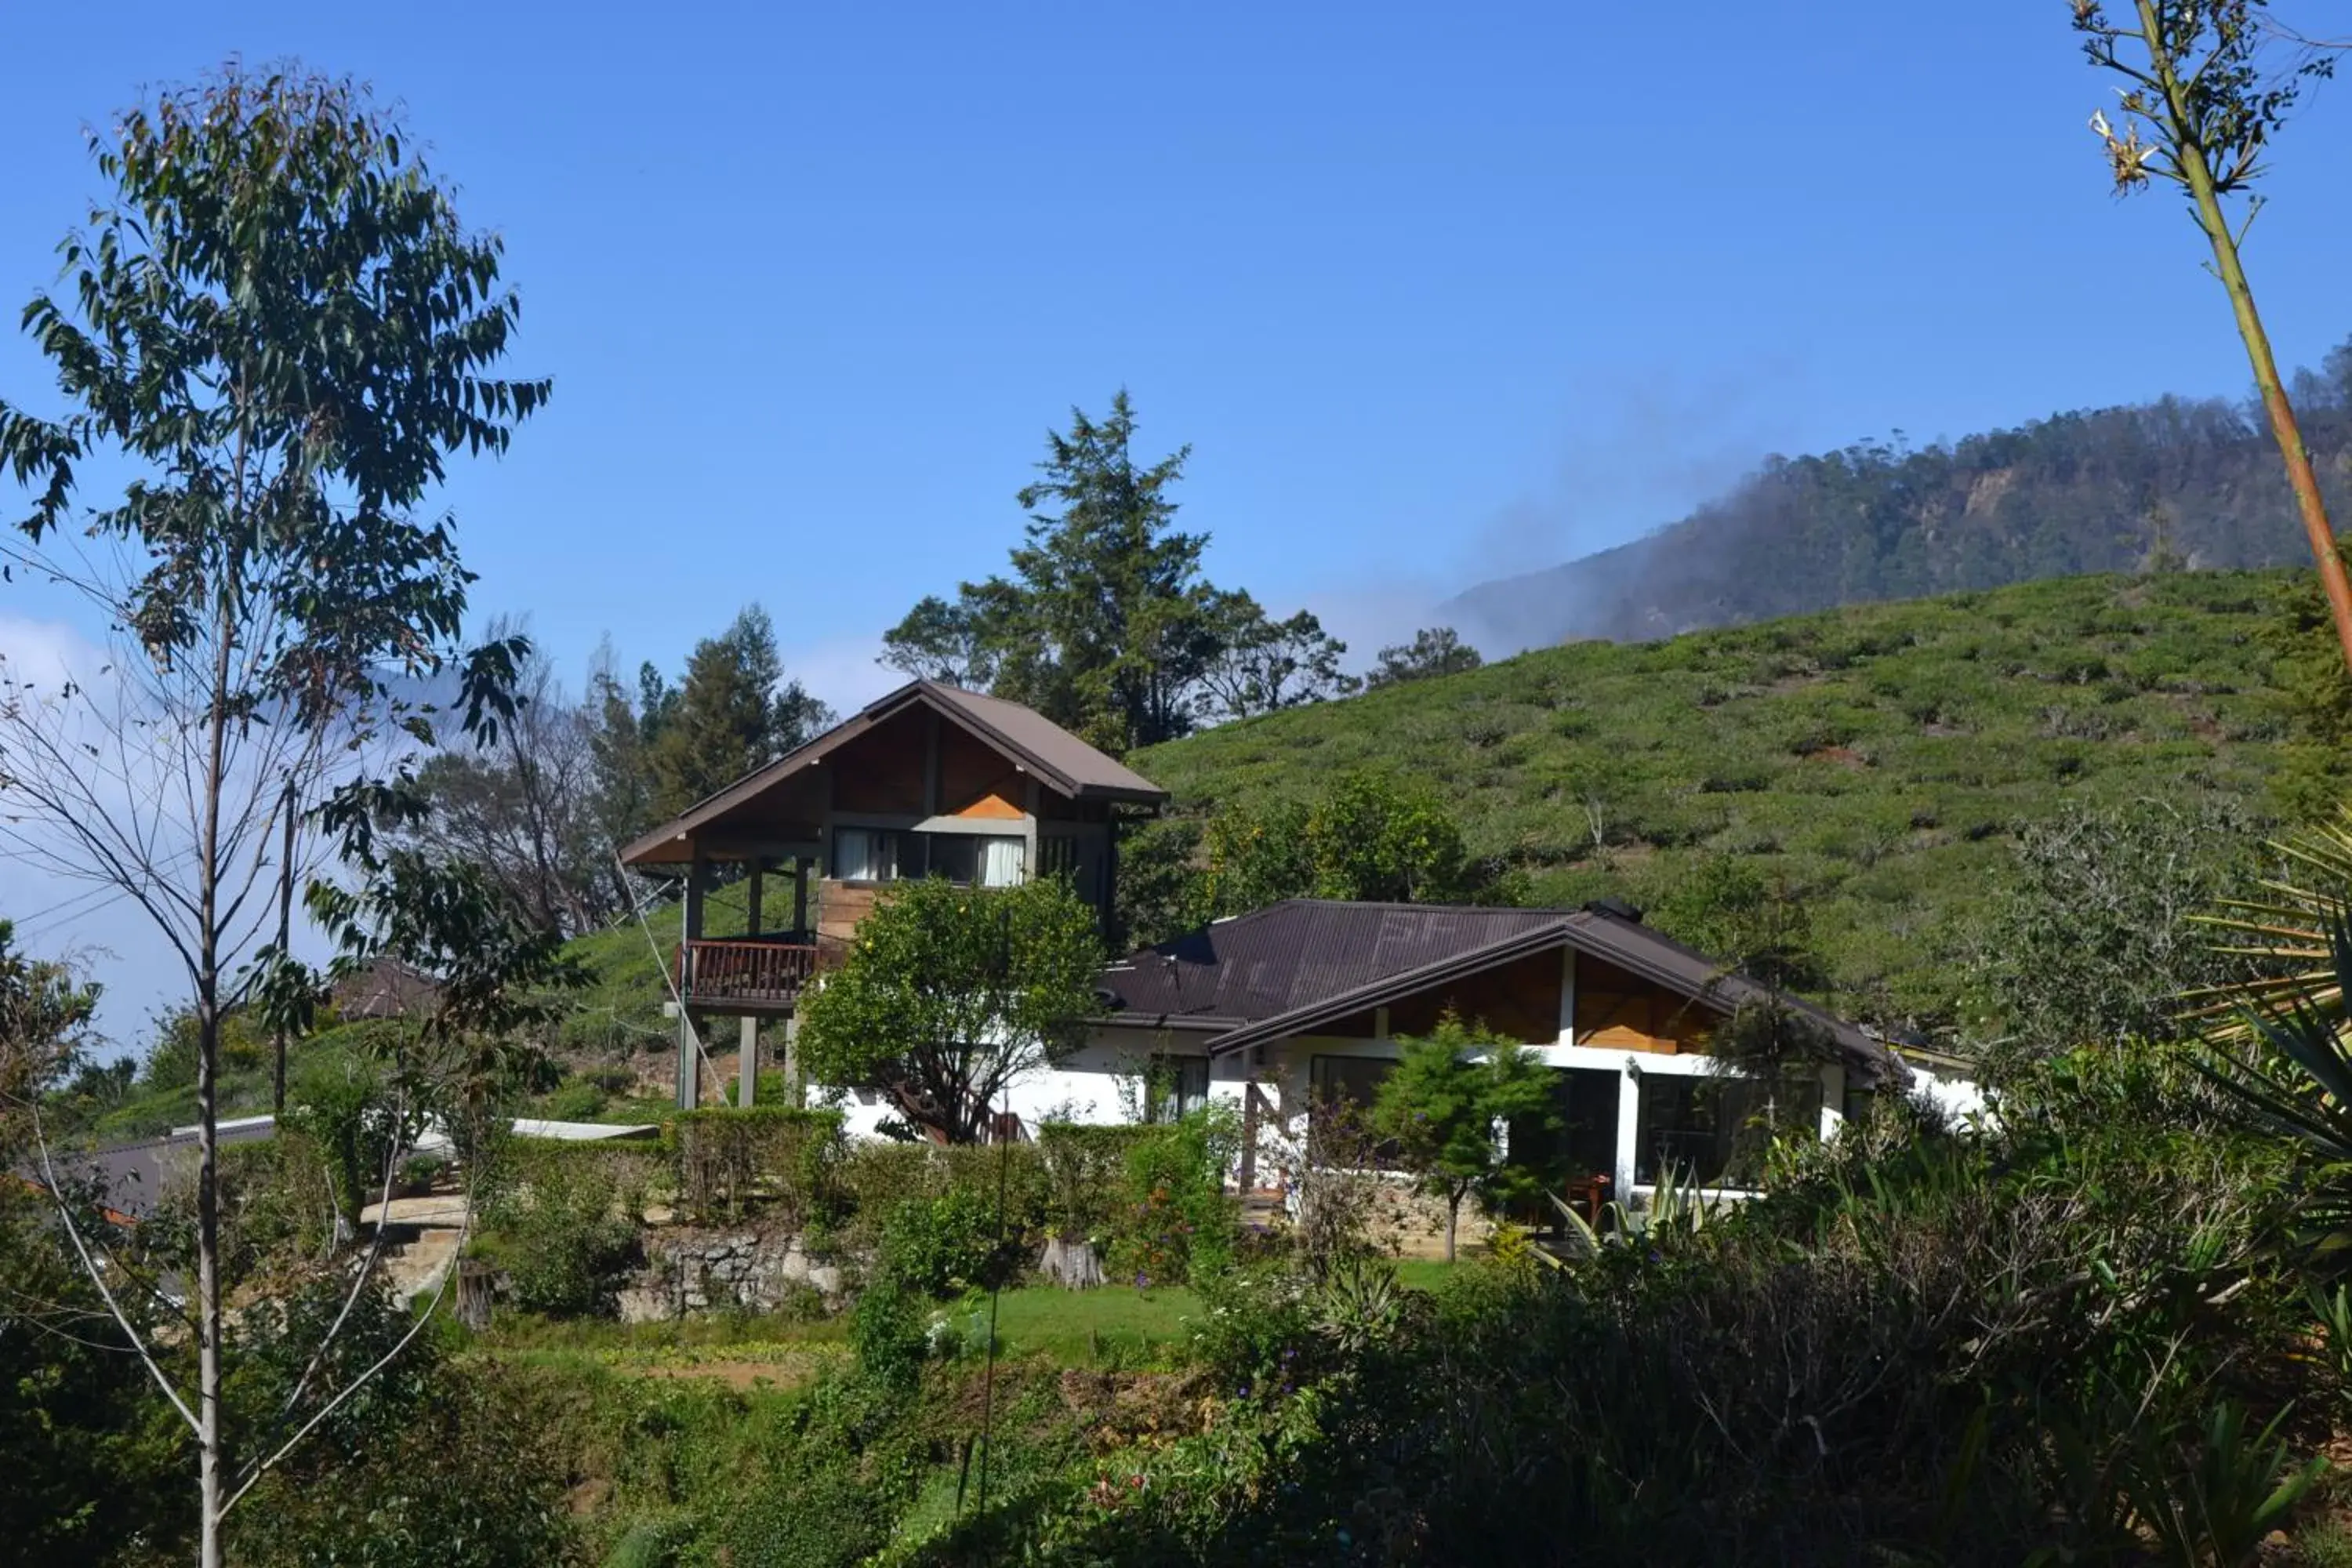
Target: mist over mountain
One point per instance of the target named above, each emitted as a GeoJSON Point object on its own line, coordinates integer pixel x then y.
{"type": "Point", "coordinates": [2172, 483]}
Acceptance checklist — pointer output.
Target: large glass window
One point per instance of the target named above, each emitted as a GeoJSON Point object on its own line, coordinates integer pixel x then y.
{"type": "Point", "coordinates": [1714, 1130]}
{"type": "Point", "coordinates": [967, 859]}
{"type": "Point", "coordinates": [1341, 1128]}
{"type": "Point", "coordinates": [1175, 1086]}
{"type": "Point", "coordinates": [1582, 1138]}
{"type": "Point", "coordinates": [867, 855]}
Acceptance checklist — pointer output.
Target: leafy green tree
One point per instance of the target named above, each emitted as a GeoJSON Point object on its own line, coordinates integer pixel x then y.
{"type": "Point", "coordinates": [1446, 1105]}
{"type": "Point", "coordinates": [1433, 651]}
{"type": "Point", "coordinates": [90, 1452]}
{"type": "Point", "coordinates": [944, 642]}
{"type": "Point", "coordinates": [2101, 932]}
{"type": "Point", "coordinates": [1160, 891]}
{"type": "Point", "coordinates": [1370, 835]}
{"type": "Point", "coordinates": [278, 327]}
{"type": "Point", "coordinates": [1264, 665]}
{"type": "Point", "coordinates": [620, 733]}
{"type": "Point", "coordinates": [949, 993]}
{"type": "Point", "coordinates": [2194, 73]}
{"type": "Point", "coordinates": [1105, 624]}
{"type": "Point", "coordinates": [734, 713]}
{"type": "Point", "coordinates": [1728, 909]}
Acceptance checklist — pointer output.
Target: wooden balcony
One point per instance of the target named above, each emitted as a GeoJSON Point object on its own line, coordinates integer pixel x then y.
{"type": "Point", "coordinates": [746, 974]}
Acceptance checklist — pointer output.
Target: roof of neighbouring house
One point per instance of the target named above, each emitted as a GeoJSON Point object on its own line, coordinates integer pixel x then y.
{"type": "Point", "coordinates": [130, 1178]}
{"type": "Point", "coordinates": [1050, 753]}
{"type": "Point", "coordinates": [1296, 966]}
{"type": "Point", "coordinates": [384, 988]}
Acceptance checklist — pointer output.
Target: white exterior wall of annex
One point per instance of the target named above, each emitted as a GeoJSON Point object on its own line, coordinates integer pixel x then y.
{"type": "Point", "coordinates": [1286, 1068]}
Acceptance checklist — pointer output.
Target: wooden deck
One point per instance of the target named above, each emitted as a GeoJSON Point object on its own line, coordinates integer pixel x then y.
{"type": "Point", "coordinates": [763, 974]}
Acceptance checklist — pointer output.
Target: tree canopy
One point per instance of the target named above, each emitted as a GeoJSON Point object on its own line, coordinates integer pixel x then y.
{"type": "Point", "coordinates": [947, 994]}
{"type": "Point", "coordinates": [1433, 651]}
{"type": "Point", "coordinates": [1106, 623]}
{"type": "Point", "coordinates": [1452, 1092]}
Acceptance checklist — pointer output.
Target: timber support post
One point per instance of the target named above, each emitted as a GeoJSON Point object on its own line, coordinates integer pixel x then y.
{"type": "Point", "coordinates": [747, 1065]}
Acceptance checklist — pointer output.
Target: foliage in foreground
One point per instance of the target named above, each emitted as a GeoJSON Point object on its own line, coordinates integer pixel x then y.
{"type": "Point", "coordinates": [1927, 1346]}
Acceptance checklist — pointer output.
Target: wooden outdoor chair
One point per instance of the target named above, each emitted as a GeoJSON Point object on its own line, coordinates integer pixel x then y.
{"type": "Point", "coordinates": [1589, 1196]}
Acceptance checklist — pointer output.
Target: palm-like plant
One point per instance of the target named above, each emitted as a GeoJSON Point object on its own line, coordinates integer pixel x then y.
{"type": "Point", "coordinates": [2285, 1054]}
{"type": "Point", "coordinates": [2284, 936]}
{"type": "Point", "coordinates": [1678, 1210]}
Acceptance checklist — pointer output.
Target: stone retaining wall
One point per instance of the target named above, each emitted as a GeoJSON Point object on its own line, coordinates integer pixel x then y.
{"type": "Point", "coordinates": [690, 1272]}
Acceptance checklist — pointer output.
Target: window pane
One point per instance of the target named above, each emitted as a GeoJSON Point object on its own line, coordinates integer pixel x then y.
{"type": "Point", "coordinates": [852, 855]}
{"type": "Point", "coordinates": [1000, 862]}
{"type": "Point", "coordinates": [1715, 1130]}
{"type": "Point", "coordinates": [865, 855]}
{"type": "Point", "coordinates": [1176, 1086]}
{"type": "Point", "coordinates": [1344, 1088]}
{"type": "Point", "coordinates": [1584, 1140]}
{"type": "Point", "coordinates": [951, 856]}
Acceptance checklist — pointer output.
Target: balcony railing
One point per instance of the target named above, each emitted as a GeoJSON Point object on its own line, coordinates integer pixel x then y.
{"type": "Point", "coordinates": [753, 973]}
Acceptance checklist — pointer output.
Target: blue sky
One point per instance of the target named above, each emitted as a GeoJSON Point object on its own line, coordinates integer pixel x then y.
{"type": "Point", "coordinates": [1436, 293]}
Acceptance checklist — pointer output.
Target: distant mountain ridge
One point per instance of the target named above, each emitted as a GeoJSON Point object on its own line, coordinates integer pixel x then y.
{"type": "Point", "coordinates": [2196, 482]}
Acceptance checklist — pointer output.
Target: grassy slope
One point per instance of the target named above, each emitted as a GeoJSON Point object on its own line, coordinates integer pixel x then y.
{"type": "Point", "coordinates": [1875, 758]}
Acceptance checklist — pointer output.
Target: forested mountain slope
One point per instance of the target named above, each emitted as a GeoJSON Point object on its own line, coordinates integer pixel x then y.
{"type": "Point", "coordinates": [1872, 761]}
{"type": "Point", "coordinates": [2115, 489]}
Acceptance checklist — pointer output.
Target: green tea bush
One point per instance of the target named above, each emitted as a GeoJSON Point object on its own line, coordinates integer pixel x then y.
{"type": "Point", "coordinates": [565, 1229]}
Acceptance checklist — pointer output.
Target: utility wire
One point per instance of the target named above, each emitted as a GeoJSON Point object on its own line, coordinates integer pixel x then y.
{"type": "Point", "coordinates": [669, 980]}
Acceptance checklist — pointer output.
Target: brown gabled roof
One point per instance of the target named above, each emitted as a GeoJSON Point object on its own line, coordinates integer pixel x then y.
{"type": "Point", "coordinates": [385, 988]}
{"type": "Point", "coordinates": [1050, 753]}
{"type": "Point", "coordinates": [1296, 966]}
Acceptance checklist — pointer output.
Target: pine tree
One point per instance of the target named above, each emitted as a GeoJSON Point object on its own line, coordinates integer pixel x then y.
{"type": "Point", "coordinates": [733, 712]}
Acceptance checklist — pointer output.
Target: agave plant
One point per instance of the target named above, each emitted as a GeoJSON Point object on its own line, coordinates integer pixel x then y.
{"type": "Point", "coordinates": [1678, 1209]}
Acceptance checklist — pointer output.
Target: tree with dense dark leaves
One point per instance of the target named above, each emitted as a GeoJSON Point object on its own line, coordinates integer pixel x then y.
{"type": "Point", "coordinates": [733, 712]}
{"type": "Point", "coordinates": [1433, 651]}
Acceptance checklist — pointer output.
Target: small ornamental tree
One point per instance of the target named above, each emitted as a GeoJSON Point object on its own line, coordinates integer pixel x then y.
{"type": "Point", "coordinates": [1445, 1104]}
{"type": "Point", "coordinates": [949, 993]}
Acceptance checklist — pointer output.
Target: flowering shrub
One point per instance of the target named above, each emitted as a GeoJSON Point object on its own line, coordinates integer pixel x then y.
{"type": "Point", "coordinates": [1178, 1224]}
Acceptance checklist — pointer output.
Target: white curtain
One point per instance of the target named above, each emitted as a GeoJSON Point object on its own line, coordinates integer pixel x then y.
{"type": "Point", "coordinates": [999, 862]}
{"type": "Point", "coordinates": [860, 856]}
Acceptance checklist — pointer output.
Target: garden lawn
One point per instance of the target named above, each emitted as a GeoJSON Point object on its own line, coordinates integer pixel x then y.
{"type": "Point", "coordinates": [1113, 1326]}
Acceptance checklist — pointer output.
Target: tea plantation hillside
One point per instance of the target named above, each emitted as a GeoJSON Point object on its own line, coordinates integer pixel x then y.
{"type": "Point", "coordinates": [1874, 761]}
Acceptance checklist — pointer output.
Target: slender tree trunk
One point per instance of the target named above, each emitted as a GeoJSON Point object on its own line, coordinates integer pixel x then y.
{"type": "Point", "coordinates": [2210, 217]}
{"type": "Point", "coordinates": [1453, 1221]}
{"type": "Point", "coordinates": [285, 933]}
{"type": "Point", "coordinates": [208, 1023]}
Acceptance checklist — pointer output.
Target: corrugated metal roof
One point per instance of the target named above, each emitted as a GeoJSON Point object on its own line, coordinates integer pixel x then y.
{"type": "Point", "coordinates": [1087, 771]}
{"type": "Point", "coordinates": [1301, 951]}
{"type": "Point", "coordinates": [1299, 965]}
{"type": "Point", "coordinates": [131, 1178]}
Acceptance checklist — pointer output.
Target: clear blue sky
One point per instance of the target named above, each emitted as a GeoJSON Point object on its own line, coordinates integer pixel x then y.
{"type": "Point", "coordinates": [1436, 293]}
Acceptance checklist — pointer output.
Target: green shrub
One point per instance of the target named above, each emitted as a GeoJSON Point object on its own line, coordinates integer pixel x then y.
{"type": "Point", "coordinates": [887, 1333]}
{"type": "Point", "coordinates": [1178, 1223]}
{"type": "Point", "coordinates": [779, 1155]}
{"type": "Point", "coordinates": [566, 1232]}
{"type": "Point", "coordinates": [574, 1100]}
{"type": "Point", "coordinates": [945, 1245]}
{"type": "Point", "coordinates": [1085, 1170]}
